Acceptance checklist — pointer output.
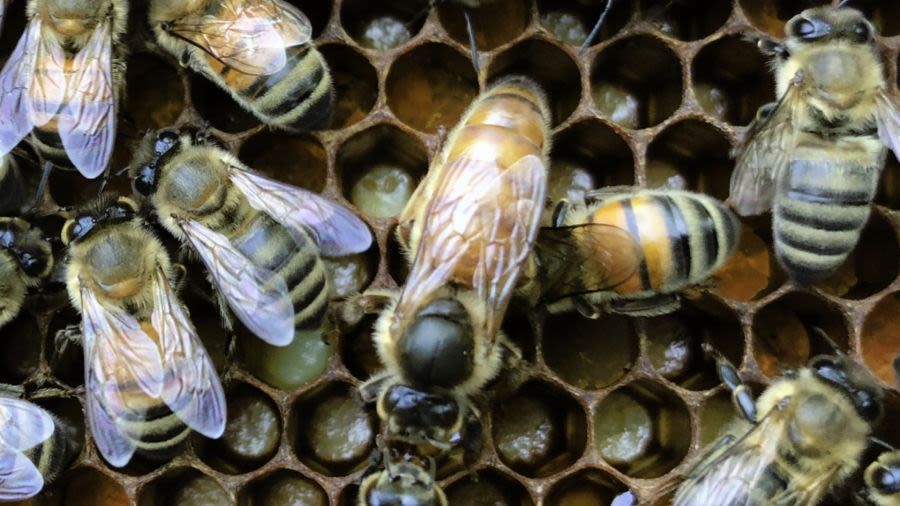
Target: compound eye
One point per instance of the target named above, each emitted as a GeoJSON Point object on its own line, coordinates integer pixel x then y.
{"type": "Point", "coordinates": [30, 264]}
{"type": "Point", "coordinates": [862, 32]}
{"type": "Point", "coordinates": [81, 226]}
{"type": "Point", "coordinates": [804, 28]}
{"type": "Point", "coordinates": [119, 211]}
{"type": "Point", "coordinates": [886, 480]}
{"type": "Point", "coordinates": [165, 140]}
{"type": "Point", "coordinates": [867, 406]}
{"type": "Point", "coordinates": [145, 180]}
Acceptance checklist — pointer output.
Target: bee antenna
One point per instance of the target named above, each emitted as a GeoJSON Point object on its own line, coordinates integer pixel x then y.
{"type": "Point", "coordinates": [596, 30]}
{"type": "Point", "coordinates": [472, 44]}
{"type": "Point", "coordinates": [387, 462]}
{"type": "Point", "coordinates": [824, 335]}
{"type": "Point", "coordinates": [882, 443]}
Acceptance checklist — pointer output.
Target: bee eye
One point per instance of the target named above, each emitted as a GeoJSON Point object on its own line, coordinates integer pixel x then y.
{"type": "Point", "coordinates": [861, 32]}
{"type": "Point", "coordinates": [867, 406]}
{"type": "Point", "coordinates": [81, 226]}
{"type": "Point", "coordinates": [145, 180]}
{"type": "Point", "coordinates": [119, 211]}
{"type": "Point", "coordinates": [165, 141]}
{"type": "Point", "coordinates": [804, 28]}
{"type": "Point", "coordinates": [886, 481]}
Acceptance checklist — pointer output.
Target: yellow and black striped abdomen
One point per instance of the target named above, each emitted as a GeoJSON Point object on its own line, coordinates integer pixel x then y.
{"type": "Point", "coordinates": [682, 237]}
{"type": "Point", "coordinates": [300, 96]}
{"type": "Point", "coordinates": [269, 245]}
{"type": "Point", "coordinates": [819, 211]}
{"type": "Point", "coordinates": [55, 454]}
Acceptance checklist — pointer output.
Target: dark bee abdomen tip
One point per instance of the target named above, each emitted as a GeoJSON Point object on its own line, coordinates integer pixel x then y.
{"type": "Point", "coordinates": [436, 352]}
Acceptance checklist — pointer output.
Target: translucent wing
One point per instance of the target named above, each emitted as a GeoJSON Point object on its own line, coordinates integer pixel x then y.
{"type": "Point", "coordinates": [258, 297]}
{"type": "Point", "coordinates": [584, 258]}
{"type": "Point", "coordinates": [250, 36]}
{"type": "Point", "coordinates": [117, 353]}
{"type": "Point", "coordinates": [193, 391]}
{"type": "Point", "coordinates": [47, 88]}
{"type": "Point", "coordinates": [24, 425]}
{"type": "Point", "coordinates": [479, 229]}
{"type": "Point", "coordinates": [19, 478]}
{"type": "Point", "coordinates": [764, 156]}
{"type": "Point", "coordinates": [888, 118]}
{"type": "Point", "coordinates": [87, 121]}
{"type": "Point", "coordinates": [336, 229]}
{"type": "Point", "coordinates": [16, 117]}
{"type": "Point", "coordinates": [738, 473]}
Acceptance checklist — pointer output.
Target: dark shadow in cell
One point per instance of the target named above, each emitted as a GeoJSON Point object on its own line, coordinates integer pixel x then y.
{"type": "Point", "coordinates": [491, 487]}
{"type": "Point", "coordinates": [590, 354]}
{"type": "Point", "coordinates": [299, 160]}
{"type": "Point", "coordinates": [358, 350]}
{"type": "Point", "coordinates": [697, 151]}
{"type": "Point", "coordinates": [182, 486]}
{"type": "Point", "coordinates": [588, 155]}
{"type": "Point", "coordinates": [20, 348]}
{"type": "Point", "coordinates": [686, 19]}
{"type": "Point", "coordinates": [889, 187]}
{"type": "Point", "coordinates": [218, 107]}
{"type": "Point", "coordinates": [318, 12]}
{"type": "Point", "coordinates": [155, 93]}
{"type": "Point", "coordinates": [282, 487]}
{"type": "Point", "coordinates": [355, 83]}
{"type": "Point", "coordinates": [87, 486]}
{"type": "Point", "coordinates": [588, 486]}
{"type": "Point", "coordinates": [880, 342]}
{"type": "Point", "coordinates": [494, 24]}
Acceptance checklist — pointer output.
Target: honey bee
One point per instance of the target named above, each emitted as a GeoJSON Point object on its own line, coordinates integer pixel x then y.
{"type": "Point", "coordinates": [33, 449]}
{"type": "Point", "coordinates": [26, 260]}
{"type": "Point", "coordinates": [63, 81]}
{"type": "Point", "coordinates": [632, 252]}
{"type": "Point", "coordinates": [259, 51]}
{"type": "Point", "coordinates": [468, 231]}
{"type": "Point", "coordinates": [260, 239]}
{"type": "Point", "coordinates": [800, 440]}
{"type": "Point", "coordinates": [148, 378]}
{"type": "Point", "coordinates": [406, 481]}
{"type": "Point", "coordinates": [882, 481]}
{"type": "Point", "coordinates": [815, 156]}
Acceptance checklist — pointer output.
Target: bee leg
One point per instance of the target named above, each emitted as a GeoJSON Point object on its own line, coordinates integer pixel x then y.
{"type": "Point", "coordinates": [355, 308]}
{"type": "Point", "coordinates": [372, 388]}
{"type": "Point", "coordinates": [560, 212]}
{"type": "Point", "coordinates": [224, 312]}
{"type": "Point", "coordinates": [42, 186]}
{"type": "Point", "coordinates": [586, 308]}
{"type": "Point", "coordinates": [104, 182]}
{"type": "Point", "coordinates": [596, 30]}
{"type": "Point", "coordinates": [740, 394]}
{"type": "Point", "coordinates": [179, 277]}
{"type": "Point", "coordinates": [473, 440]}
{"type": "Point", "coordinates": [656, 305]}
{"type": "Point", "coordinates": [601, 194]}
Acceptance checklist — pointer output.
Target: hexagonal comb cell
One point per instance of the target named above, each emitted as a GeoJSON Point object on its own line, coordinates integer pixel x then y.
{"type": "Point", "coordinates": [587, 155]}
{"type": "Point", "coordinates": [282, 488]}
{"type": "Point", "coordinates": [732, 80]}
{"type": "Point", "coordinates": [285, 367]}
{"type": "Point", "coordinates": [20, 348]}
{"type": "Point", "coordinates": [298, 160]}
{"type": "Point", "coordinates": [752, 271]}
{"type": "Point", "coordinates": [218, 107]}
{"type": "Point", "coordinates": [588, 486]}
{"type": "Point", "coordinates": [184, 486]}
{"type": "Point", "coordinates": [889, 188]}
{"type": "Point", "coordinates": [155, 93]}
{"type": "Point", "coordinates": [379, 168]}
{"type": "Point", "coordinates": [494, 23]}
{"type": "Point", "coordinates": [642, 429]}
{"type": "Point", "coordinates": [252, 433]}
{"type": "Point", "coordinates": [880, 340]}
{"type": "Point", "coordinates": [331, 431]}
{"type": "Point", "coordinates": [87, 486]}
{"type": "Point", "coordinates": [636, 82]}
{"type": "Point", "coordinates": [491, 487]}
{"type": "Point", "coordinates": [355, 84]}
{"type": "Point", "coordinates": [686, 19]}
{"type": "Point", "coordinates": [551, 67]}
{"type": "Point", "coordinates": [430, 86]}
{"type": "Point", "coordinates": [590, 354]}
{"type": "Point", "coordinates": [784, 335]}
{"type": "Point", "coordinates": [540, 430]}
{"type": "Point", "coordinates": [696, 151]}
{"type": "Point", "coordinates": [383, 25]}
{"type": "Point", "coordinates": [572, 20]}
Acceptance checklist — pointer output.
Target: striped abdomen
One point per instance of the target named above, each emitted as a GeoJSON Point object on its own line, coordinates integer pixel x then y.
{"type": "Point", "coordinates": [269, 245]}
{"type": "Point", "coordinates": [819, 211]}
{"type": "Point", "coordinates": [299, 96]}
{"type": "Point", "coordinates": [55, 454]}
{"type": "Point", "coordinates": [682, 237]}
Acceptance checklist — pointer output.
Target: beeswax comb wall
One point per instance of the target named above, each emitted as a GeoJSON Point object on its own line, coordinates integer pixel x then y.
{"type": "Point", "coordinates": [604, 406]}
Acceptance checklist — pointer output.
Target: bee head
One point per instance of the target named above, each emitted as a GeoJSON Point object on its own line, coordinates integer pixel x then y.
{"type": "Point", "coordinates": [145, 174]}
{"type": "Point", "coordinates": [402, 484]}
{"type": "Point", "coordinates": [107, 210]}
{"type": "Point", "coordinates": [828, 23]}
{"type": "Point", "coordinates": [421, 417]}
{"type": "Point", "coordinates": [852, 379]}
{"type": "Point", "coordinates": [27, 246]}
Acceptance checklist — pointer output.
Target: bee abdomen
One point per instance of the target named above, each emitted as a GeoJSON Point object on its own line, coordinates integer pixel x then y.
{"type": "Point", "coordinates": [55, 454]}
{"type": "Point", "coordinates": [156, 433]}
{"type": "Point", "coordinates": [299, 96]}
{"type": "Point", "coordinates": [48, 144]}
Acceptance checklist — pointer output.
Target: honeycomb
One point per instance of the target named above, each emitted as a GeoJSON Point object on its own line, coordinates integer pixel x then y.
{"type": "Point", "coordinates": [599, 407]}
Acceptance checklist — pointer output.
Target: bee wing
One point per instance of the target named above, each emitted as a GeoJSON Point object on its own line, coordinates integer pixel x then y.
{"type": "Point", "coordinates": [888, 118]}
{"type": "Point", "coordinates": [194, 392]}
{"type": "Point", "coordinates": [336, 229]}
{"type": "Point", "coordinates": [250, 36]}
{"type": "Point", "coordinates": [585, 258]}
{"type": "Point", "coordinates": [22, 89]}
{"type": "Point", "coordinates": [116, 351]}
{"type": "Point", "coordinates": [479, 229]}
{"type": "Point", "coordinates": [25, 425]}
{"type": "Point", "coordinates": [19, 478]}
{"type": "Point", "coordinates": [764, 156]}
{"type": "Point", "coordinates": [258, 297]}
{"type": "Point", "coordinates": [728, 477]}
{"type": "Point", "coordinates": [87, 121]}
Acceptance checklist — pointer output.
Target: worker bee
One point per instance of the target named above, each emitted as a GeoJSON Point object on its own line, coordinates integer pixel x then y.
{"type": "Point", "coordinates": [468, 231]}
{"type": "Point", "coordinates": [26, 260]}
{"type": "Point", "coordinates": [259, 51]}
{"type": "Point", "coordinates": [148, 378]}
{"type": "Point", "coordinates": [882, 481]}
{"type": "Point", "coordinates": [631, 252]}
{"type": "Point", "coordinates": [405, 479]}
{"type": "Point", "coordinates": [63, 81]}
{"type": "Point", "coordinates": [33, 449]}
{"type": "Point", "coordinates": [800, 440]}
{"type": "Point", "coordinates": [260, 239]}
{"type": "Point", "coordinates": [815, 156]}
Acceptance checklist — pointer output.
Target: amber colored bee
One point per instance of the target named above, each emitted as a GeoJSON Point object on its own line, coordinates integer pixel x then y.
{"type": "Point", "coordinates": [631, 252]}
{"type": "Point", "coordinates": [815, 156]}
{"type": "Point", "coordinates": [63, 81]}
{"type": "Point", "coordinates": [148, 378]}
{"type": "Point", "coordinates": [259, 51]}
{"type": "Point", "coordinates": [468, 230]}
